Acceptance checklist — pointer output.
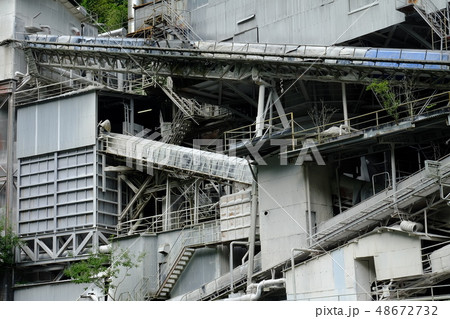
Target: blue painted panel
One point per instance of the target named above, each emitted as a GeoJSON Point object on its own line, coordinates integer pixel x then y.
{"type": "Point", "coordinates": [412, 55]}
{"type": "Point", "coordinates": [388, 54]}
{"type": "Point", "coordinates": [371, 53]}
{"type": "Point", "coordinates": [436, 56]}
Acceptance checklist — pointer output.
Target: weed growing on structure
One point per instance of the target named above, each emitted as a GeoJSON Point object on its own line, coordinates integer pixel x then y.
{"type": "Point", "coordinates": [8, 241]}
{"type": "Point", "coordinates": [105, 270]}
{"type": "Point", "coordinates": [385, 96]}
{"type": "Point", "coordinates": [322, 115]}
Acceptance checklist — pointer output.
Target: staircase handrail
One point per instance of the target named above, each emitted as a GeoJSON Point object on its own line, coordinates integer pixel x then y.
{"type": "Point", "coordinates": [173, 13]}
{"type": "Point", "coordinates": [185, 240]}
{"type": "Point", "coordinates": [438, 17]}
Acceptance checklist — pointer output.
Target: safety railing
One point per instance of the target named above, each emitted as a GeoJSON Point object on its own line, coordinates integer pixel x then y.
{"type": "Point", "coordinates": [131, 83]}
{"type": "Point", "coordinates": [52, 90]}
{"type": "Point", "coordinates": [435, 18]}
{"type": "Point", "coordinates": [381, 204]}
{"type": "Point", "coordinates": [221, 286]}
{"type": "Point", "coordinates": [272, 128]}
{"type": "Point", "coordinates": [203, 234]}
{"type": "Point", "coordinates": [383, 295]}
{"type": "Point", "coordinates": [161, 12]}
{"type": "Point", "coordinates": [181, 218]}
{"type": "Point", "coordinates": [140, 291]}
{"type": "Point", "coordinates": [406, 112]}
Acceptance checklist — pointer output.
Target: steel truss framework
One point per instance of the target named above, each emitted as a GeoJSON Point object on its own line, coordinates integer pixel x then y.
{"type": "Point", "coordinates": [142, 64]}
{"type": "Point", "coordinates": [226, 65]}
{"type": "Point", "coordinates": [61, 246]}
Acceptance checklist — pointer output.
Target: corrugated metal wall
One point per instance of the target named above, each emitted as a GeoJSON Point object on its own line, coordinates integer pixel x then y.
{"type": "Point", "coordinates": [56, 125]}
{"type": "Point", "coordinates": [62, 186]}
{"type": "Point", "coordinates": [322, 22]}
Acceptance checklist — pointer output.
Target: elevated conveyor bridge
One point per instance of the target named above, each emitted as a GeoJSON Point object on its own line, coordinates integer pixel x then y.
{"type": "Point", "coordinates": [174, 158]}
{"type": "Point", "coordinates": [234, 61]}
{"type": "Point", "coordinates": [431, 180]}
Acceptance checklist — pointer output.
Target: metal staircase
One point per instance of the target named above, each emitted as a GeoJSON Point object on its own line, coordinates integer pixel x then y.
{"type": "Point", "coordinates": [181, 253]}
{"type": "Point", "coordinates": [181, 125]}
{"type": "Point", "coordinates": [189, 107]}
{"type": "Point", "coordinates": [165, 21]}
{"type": "Point", "coordinates": [435, 18]}
{"type": "Point", "coordinates": [221, 286]}
{"type": "Point", "coordinates": [175, 273]}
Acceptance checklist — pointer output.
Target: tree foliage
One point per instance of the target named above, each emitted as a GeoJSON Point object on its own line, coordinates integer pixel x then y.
{"type": "Point", "coordinates": [8, 241]}
{"type": "Point", "coordinates": [112, 13]}
{"type": "Point", "coordinates": [386, 96]}
{"type": "Point", "coordinates": [102, 269]}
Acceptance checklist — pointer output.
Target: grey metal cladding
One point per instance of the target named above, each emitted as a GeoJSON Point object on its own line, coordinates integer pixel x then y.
{"type": "Point", "coordinates": [56, 125]}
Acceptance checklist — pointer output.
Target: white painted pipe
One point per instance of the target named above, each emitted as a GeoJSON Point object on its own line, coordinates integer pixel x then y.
{"type": "Point", "coordinates": [259, 289]}
{"type": "Point", "coordinates": [410, 227]}
{"type": "Point", "coordinates": [121, 32]}
{"type": "Point", "coordinates": [131, 15]}
{"type": "Point", "coordinates": [344, 105]}
{"type": "Point", "coordinates": [105, 249]}
{"type": "Point", "coordinates": [308, 205]}
{"type": "Point", "coordinates": [260, 114]}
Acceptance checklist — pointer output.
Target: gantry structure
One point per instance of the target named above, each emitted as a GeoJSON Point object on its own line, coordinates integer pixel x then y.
{"type": "Point", "coordinates": [239, 97]}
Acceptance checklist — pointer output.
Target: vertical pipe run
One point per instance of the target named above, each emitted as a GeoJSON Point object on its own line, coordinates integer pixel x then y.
{"type": "Point", "coordinates": [394, 174]}
{"type": "Point", "coordinates": [131, 127]}
{"type": "Point", "coordinates": [167, 210]}
{"type": "Point", "coordinates": [252, 234]}
{"type": "Point", "coordinates": [196, 201]}
{"type": "Point", "coordinates": [338, 182]}
{"type": "Point", "coordinates": [10, 157]}
{"type": "Point", "coordinates": [260, 114]}
{"type": "Point", "coordinates": [344, 105]}
{"type": "Point", "coordinates": [308, 205]}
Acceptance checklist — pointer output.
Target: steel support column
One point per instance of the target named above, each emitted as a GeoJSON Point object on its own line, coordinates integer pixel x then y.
{"type": "Point", "coordinates": [260, 115]}
{"type": "Point", "coordinates": [10, 157]}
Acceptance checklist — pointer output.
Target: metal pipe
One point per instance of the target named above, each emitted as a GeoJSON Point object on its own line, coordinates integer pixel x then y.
{"type": "Point", "coordinates": [338, 190]}
{"type": "Point", "coordinates": [303, 250]}
{"type": "Point", "coordinates": [252, 234]}
{"type": "Point", "coordinates": [131, 15]}
{"type": "Point", "coordinates": [344, 105]}
{"type": "Point", "coordinates": [410, 227]}
{"type": "Point", "coordinates": [196, 200]}
{"type": "Point", "coordinates": [259, 289]}
{"type": "Point", "coordinates": [10, 157]}
{"type": "Point", "coordinates": [259, 117]}
{"type": "Point", "coordinates": [394, 175]}
{"type": "Point", "coordinates": [308, 205]}
{"type": "Point", "coordinates": [166, 213]}
{"type": "Point", "coordinates": [122, 32]}
{"type": "Point", "coordinates": [231, 261]}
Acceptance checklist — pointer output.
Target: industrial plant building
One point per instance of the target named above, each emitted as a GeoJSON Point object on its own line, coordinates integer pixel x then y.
{"type": "Point", "coordinates": [245, 150]}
